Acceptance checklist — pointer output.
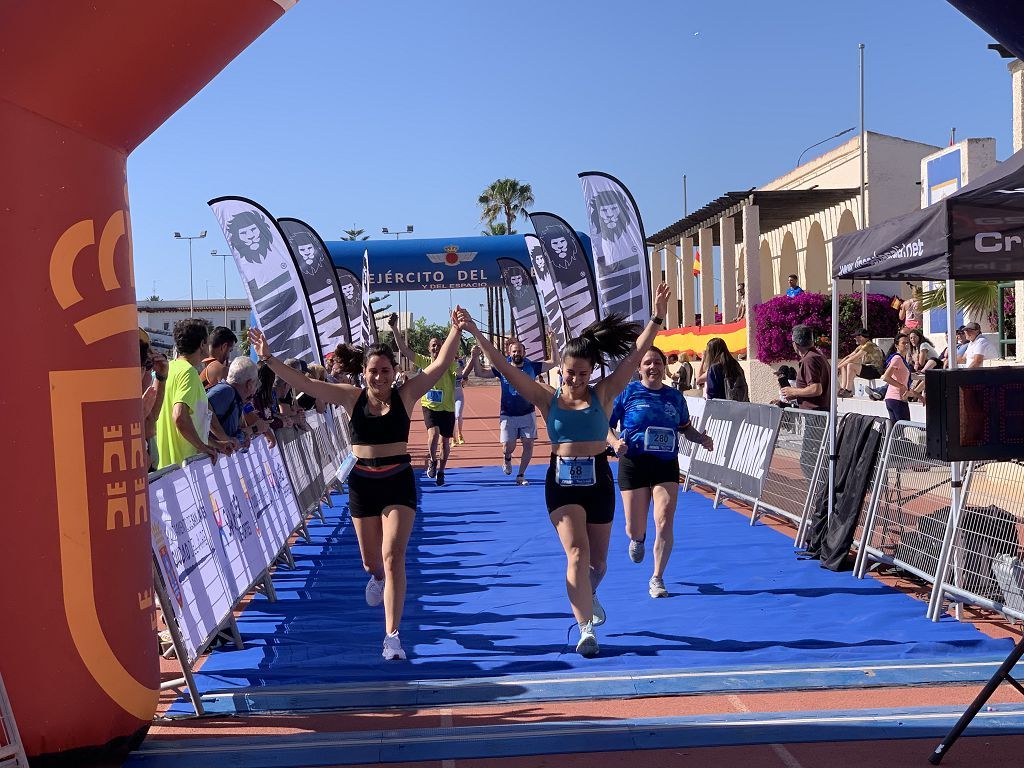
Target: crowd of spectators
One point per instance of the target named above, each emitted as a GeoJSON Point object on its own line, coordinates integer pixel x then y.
{"type": "Point", "coordinates": [205, 402]}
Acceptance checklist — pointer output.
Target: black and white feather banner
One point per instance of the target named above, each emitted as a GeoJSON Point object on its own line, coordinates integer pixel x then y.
{"type": "Point", "coordinates": [270, 277]}
{"type": "Point", "coordinates": [527, 318]}
{"type": "Point", "coordinates": [620, 247]}
{"type": "Point", "coordinates": [570, 271]}
{"type": "Point", "coordinates": [320, 281]}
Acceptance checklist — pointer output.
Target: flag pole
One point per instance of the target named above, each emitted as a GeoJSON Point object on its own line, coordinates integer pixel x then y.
{"type": "Point", "coordinates": [863, 183]}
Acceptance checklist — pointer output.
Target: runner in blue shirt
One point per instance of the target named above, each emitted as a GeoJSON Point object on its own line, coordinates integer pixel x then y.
{"type": "Point", "coordinates": [650, 417]}
{"type": "Point", "coordinates": [517, 418]}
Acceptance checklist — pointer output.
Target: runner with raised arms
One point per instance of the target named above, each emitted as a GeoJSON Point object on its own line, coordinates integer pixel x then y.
{"type": "Point", "coordinates": [382, 487]}
{"type": "Point", "coordinates": [579, 489]}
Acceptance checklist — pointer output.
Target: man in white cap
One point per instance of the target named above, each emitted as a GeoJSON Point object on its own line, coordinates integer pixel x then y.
{"type": "Point", "coordinates": [979, 349]}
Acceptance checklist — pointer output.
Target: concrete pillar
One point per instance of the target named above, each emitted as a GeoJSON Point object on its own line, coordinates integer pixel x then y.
{"type": "Point", "coordinates": [727, 247]}
{"type": "Point", "coordinates": [656, 273]}
{"type": "Point", "coordinates": [752, 268]}
{"type": "Point", "coordinates": [1017, 75]}
{"type": "Point", "coordinates": [686, 318]}
{"type": "Point", "coordinates": [672, 278]}
{"type": "Point", "coordinates": [706, 242]}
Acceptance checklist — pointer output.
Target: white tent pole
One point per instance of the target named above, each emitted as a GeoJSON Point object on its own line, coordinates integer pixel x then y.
{"type": "Point", "coordinates": [834, 400]}
{"type": "Point", "coordinates": [936, 601]}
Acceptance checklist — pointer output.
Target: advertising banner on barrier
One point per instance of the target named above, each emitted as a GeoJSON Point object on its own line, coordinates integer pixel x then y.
{"type": "Point", "coordinates": [274, 495]}
{"type": "Point", "coordinates": [184, 550]}
{"type": "Point", "coordinates": [695, 405]}
{"type": "Point", "coordinates": [744, 436]}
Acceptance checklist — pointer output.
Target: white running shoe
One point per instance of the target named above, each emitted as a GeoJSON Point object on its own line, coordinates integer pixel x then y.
{"type": "Point", "coordinates": [431, 468]}
{"type": "Point", "coordinates": [393, 648]}
{"type": "Point", "coordinates": [656, 587]}
{"type": "Point", "coordinates": [636, 550]}
{"type": "Point", "coordinates": [599, 615]}
{"type": "Point", "coordinates": [587, 646]}
{"type": "Point", "coordinates": [506, 466]}
{"type": "Point", "coordinates": [520, 480]}
{"type": "Point", "coordinates": [374, 591]}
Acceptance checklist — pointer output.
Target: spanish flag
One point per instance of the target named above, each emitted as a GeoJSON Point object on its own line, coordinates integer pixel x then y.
{"type": "Point", "coordinates": [696, 263]}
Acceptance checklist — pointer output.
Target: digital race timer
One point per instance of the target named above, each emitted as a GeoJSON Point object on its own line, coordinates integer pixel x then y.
{"type": "Point", "coordinates": [975, 413]}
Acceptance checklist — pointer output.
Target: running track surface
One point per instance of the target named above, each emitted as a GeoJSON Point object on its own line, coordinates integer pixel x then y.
{"type": "Point", "coordinates": [625, 597]}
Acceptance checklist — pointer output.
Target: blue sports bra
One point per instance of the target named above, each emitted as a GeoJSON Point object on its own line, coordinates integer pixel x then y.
{"type": "Point", "coordinates": [567, 426]}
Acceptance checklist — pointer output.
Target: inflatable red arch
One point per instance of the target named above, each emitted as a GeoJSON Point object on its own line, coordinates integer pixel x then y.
{"type": "Point", "coordinates": [81, 85]}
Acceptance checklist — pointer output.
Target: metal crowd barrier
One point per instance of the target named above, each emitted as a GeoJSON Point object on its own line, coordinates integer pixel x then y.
{"type": "Point", "coordinates": [985, 562]}
{"type": "Point", "coordinates": [12, 754]}
{"type": "Point", "coordinates": [910, 508]}
{"type": "Point", "coordinates": [796, 465]}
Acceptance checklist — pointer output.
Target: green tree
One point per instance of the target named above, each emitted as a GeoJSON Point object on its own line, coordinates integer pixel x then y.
{"type": "Point", "coordinates": [498, 228]}
{"type": "Point", "coordinates": [505, 197]}
{"type": "Point", "coordinates": [418, 336]}
{"type": "Point", "coordinates": [154, 297]}
{"type": "Point", "coordinates": [978, 298]}
{"type": "Point", "coordinates": [354, 234]}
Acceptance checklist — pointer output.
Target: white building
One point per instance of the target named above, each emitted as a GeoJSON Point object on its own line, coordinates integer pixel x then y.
{"type": "Point", "coordinates": [158, 317]}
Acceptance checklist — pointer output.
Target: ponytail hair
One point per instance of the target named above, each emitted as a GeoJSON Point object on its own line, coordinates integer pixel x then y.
{"type": "Point", "coordinates": [350, 358]}
{"type": "Point", "coordinates": [612, 337]}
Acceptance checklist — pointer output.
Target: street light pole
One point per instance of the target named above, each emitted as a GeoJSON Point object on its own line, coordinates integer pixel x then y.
{"type": "Point", "coordinates": [191, 287]}
{"type": "Point", "coordinates": [224, 259]}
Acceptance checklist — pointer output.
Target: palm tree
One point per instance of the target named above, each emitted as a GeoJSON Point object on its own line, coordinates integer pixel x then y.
{"type": "Point", "coordinates": [977, 298]}
{"type": "Point", "coordinates": [497, 228]}
{"type": "Point", "coordinates": [505, 197]}
{"type": "Point", "coordinates": [354, 234]}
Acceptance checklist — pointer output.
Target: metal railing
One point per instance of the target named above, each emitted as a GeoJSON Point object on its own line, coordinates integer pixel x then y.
{"type": "Point", "coordinates": [985, 562]}
{"type": "Point", "coordinates": [910, 508]}
{"type": "Point", "coordinates": [12, 754]}
{"type": "Point", "coordinates": [795, 466]}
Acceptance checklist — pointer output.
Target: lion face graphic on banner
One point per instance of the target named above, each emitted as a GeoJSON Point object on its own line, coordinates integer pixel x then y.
{"type": "Point", "coordinates": [311, 256]}
{"type": "Point", "coordinates": [515, 278]}
{"type": "Point", "coordinates": [540, 262]}
{"type": "Point", "coordinates": [610, 214]}
{"type": "Point", "coordinates": [250, 235]}
{"type": "Point", "coordinates": [562, 249]}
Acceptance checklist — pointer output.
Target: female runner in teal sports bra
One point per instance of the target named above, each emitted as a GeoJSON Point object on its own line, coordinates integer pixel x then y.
{"type": "Point", "coordinates": [579, 489]}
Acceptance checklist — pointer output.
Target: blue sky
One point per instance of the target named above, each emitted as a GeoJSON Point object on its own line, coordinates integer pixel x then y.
{"type": "Point", "coordinates": [384, 114]}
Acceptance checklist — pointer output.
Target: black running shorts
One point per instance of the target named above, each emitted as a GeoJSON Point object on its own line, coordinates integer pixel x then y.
{"type": "Point", "coordinates": [647, 471]}
{"type": "Point", "coordinates": [443, 420]}
{"type": "Point", "coordinates": [598, 500]}
{"type": "Point", "coordinates": [377, 484]}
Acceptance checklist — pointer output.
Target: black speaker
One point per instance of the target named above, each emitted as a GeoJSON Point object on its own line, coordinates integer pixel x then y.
{"type": "Point", "coordinates": [975, 414]}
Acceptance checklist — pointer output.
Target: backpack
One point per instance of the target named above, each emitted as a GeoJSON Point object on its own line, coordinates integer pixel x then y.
{"type": "Point", "coordinates": [736, 389]}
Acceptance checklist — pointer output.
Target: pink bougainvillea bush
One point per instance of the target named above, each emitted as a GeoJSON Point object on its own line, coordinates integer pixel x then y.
{"type": "Point", "coordinates": [776, 317]}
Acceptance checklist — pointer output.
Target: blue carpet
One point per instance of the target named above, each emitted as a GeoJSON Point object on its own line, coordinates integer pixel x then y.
{"type": "Point", "coordinates": [487, 598]}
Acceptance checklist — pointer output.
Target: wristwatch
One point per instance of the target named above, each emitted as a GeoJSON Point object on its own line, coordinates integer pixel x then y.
{"type": "Point", "coordinates": [657, 320]}
{"type": "Point", "coordinates": [158, 377]}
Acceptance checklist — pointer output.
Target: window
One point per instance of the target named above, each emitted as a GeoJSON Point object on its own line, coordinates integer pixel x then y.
{"type": "Point", "coordinates": [241, 323]}
{"type": "Point", "coordinates": [233, 324]}
{"type": "Point", "coordinates": [167, 326]}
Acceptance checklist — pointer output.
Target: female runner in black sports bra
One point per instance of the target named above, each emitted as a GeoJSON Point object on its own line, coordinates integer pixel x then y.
{"type": "Point", "coordinates": [382, 488]}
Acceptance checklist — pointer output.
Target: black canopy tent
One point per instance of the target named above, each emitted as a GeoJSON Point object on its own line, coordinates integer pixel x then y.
{"type": "Point", "coordinates": [977, 233]}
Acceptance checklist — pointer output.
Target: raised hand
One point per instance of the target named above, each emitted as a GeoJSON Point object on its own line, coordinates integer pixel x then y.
{"type": "Point", "coordinates": [661, 297]}
{"type": "Point", "coordinates": [259, 343]}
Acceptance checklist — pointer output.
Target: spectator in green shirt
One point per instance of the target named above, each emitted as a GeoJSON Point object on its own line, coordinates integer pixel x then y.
{"type": "Point", "coordinates": [186, 421]}
{"type": "Point", "coordinates": [438, 404]}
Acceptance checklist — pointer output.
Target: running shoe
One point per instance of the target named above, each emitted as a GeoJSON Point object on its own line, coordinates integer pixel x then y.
{"type": "Point", "coordinates": [393, 648]}
{"type": "Point", "coordinates": [656, 587]}
{"type": "Point", "coordinates": [431, 468]}
{"type": "Point", "coordinates": [374, 591]}
{"type": "Point", "coordinates": [520, 480]}
{"type": "Point", "coordinates": [460, 440]}
{"type": "Point", "coordinates": [440, 477]}
{"type": "Point", "coordinates": [587, 646]}
{"type": "Point", "coordinates": [506, 466]}
{"type": "Point", "coordinates": [636, 550]}
{"type": "Point", "coordinates": [599, 615]}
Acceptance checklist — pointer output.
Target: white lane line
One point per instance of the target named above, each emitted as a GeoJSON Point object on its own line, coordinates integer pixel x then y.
{"type": "Point", "coordinates": [780, 751]}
